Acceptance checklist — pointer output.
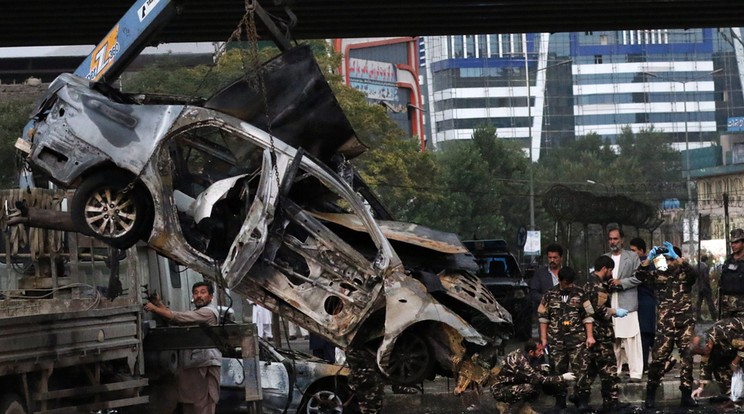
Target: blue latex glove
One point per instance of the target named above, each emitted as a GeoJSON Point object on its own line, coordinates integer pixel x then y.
{"type": "Point", "coordinates": [621, 313]}
{"type": "Point", "coordinates": [652, 254]}
{"type": "Point", "coordinates": [671, 253]}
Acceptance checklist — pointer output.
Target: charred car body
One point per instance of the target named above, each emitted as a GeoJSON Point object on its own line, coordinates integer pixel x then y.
{"type": "Point", "coordinates": [269, 216]}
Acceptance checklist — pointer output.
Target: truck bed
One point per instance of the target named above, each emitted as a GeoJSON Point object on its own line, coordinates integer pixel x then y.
{"type": "Point", "coordinates": [66, 338]}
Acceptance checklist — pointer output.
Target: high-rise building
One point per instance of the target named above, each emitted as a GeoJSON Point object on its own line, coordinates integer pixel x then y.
{"type": "Point", "coordinates": [557, 87]}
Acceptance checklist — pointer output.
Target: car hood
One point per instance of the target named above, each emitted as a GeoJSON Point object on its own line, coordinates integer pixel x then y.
{"type": "Point", "coordinates": [296, 105]}
{"type": "Point", "coordinates": [415, 244]}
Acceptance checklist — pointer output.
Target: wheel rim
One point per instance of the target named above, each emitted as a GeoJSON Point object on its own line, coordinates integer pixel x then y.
{"type": "Point", "coordinates": [325, 402]}
{"type": "Point", "coordinates": [110, 212]}
{"type": "Point", "coordinates": [410, 360]}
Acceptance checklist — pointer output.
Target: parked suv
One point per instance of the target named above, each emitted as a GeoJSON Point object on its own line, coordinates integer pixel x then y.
{"type": "Point", "coordinates": [500, 273]}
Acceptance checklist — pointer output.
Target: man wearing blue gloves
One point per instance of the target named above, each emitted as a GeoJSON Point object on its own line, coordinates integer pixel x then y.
{"type": "Point", "coordinates": [672, 278]}
{"type": "Point", "coordinates": [602, 354]}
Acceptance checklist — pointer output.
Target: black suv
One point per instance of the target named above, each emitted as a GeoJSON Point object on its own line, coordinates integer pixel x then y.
{"type": "Point", "coordinates": [500, 273]}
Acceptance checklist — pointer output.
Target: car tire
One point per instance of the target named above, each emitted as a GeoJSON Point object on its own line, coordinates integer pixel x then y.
{"type": "Point", "coordinates": [411, 360]}
{"type": "Point", "coordinates": [132, 209]}
{"type": "Point", "coordinates": [11, 404]}
{"type": "Point", "coordinates": [329, 399]}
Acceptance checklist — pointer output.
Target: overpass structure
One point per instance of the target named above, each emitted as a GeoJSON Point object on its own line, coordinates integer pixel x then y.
{"type": "Point", "coordinates": [78, 22]}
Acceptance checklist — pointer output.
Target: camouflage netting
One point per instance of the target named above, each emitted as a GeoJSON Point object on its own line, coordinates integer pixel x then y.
{"type": "Point", "coordinates": [568, 205]}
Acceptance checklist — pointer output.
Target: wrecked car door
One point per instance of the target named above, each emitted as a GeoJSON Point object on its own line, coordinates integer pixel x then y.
{"type": "Point", "coordinates": [251, 238]}
{"type": "Point", "coordinates": [276, 384]}
{"type": "Point", "coordinates": [313, 269]}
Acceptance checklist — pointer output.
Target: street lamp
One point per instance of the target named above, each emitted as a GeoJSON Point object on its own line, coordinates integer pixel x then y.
{"type": "Point", "coordinates": [529, 125]}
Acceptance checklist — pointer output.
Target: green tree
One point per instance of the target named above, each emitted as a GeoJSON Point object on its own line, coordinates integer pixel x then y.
{"type": "Point", "coordinates": [405, 178]}
{"type": "Point", "coordinates": [483, 186]}
{"type": "Point", "coordinates": [13, 116]}
{"type": "Point", "coordinates": [652, 167]}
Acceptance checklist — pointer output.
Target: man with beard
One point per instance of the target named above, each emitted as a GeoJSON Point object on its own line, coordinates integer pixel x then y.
{"type": "Point", "coordinates": [198, 377]}
{"type": "Point", "coordinates": [602, 354]}
{"type": "Point", "coordinates": [519, 382]}
{"type": "Point", "coordinates": [722, 349]}
{"type": "Point", "coordinates": [566, 316]}
{"type": "Point", "coordinates": [731, 284]}
{"type": "Point", "coordinates": [628, 344]}
{"type": "Point", "coordinates": [672, 279]}
{"type": "Point", "coordinates": [546, 277]}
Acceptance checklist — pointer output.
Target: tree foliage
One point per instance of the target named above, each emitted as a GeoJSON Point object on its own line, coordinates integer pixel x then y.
{"type": "Point", "coordinates": [13, 116]}
{"type": "Point", "coordinates": [481, 187]}
{"type": "Point", "coordinates": [642, 166]}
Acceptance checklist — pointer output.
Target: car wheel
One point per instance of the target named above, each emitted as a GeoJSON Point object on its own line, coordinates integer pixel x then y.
{"type": "Point", "coordinates": [105, 207]}
{"type": "Point", "coordinates": [324, 402]}
{"type": "Point", "coordinates": [331, 398]}
{"type": "Point", "coordinates": [411, 360]}
{"type": "Point", "coordinates": [11, 404]}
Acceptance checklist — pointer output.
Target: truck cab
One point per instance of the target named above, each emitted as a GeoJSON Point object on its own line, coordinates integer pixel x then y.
{"type": "Point", "coordinates": [500, 272]}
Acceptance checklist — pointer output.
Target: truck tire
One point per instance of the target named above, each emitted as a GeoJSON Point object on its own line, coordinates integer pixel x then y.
{"type": "Point", "coordinates": [103, 209]}
{"type": "Point", "coordinates": [11, 404]}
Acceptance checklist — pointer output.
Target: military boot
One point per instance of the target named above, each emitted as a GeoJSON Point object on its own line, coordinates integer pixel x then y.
{"type": "Point", "coordinates": [583, 403]}
{"type": "Point", "coordinates": [686, 400]}
{"type": "Point", "coordinates": [650, 396]}
{"type": "Point", "coordinates": [613, 406]}
{"type": "Point", "coordinates": [560, 402]}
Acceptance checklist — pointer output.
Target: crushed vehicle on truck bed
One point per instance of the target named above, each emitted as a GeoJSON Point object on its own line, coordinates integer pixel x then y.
{"type": "Point", "coordinates": [280, 218]}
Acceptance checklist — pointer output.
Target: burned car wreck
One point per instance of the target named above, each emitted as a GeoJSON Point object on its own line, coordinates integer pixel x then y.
{"type": "Point", "coordinates": [280, 218]}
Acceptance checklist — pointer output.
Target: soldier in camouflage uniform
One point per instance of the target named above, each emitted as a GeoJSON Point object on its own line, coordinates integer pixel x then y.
{"type": "Point", "coordinates": [365, 380]}
{"type": "Point", "coordinates": [675, 324]}
{"type": "Point", "coordinates": [565, 316]}
{"type": "Point", "coordinates": [519, 381]}
{"type": "Point", "coordinates": [731, 284]}
{"type": "Point", "coordinates": [722, 348]}
{"type": "Point", "coordinates": [602, 354]}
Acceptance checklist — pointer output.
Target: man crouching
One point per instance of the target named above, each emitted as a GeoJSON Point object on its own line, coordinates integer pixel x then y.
{"type": "Point", "coordinates": [520, 380]}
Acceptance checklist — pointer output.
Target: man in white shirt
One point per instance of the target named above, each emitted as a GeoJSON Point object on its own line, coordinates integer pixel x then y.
{"type": "Point", "coordinates": [628, 347]}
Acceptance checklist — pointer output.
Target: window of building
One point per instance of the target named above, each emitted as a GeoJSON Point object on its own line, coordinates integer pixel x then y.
{"type": "Point", "coordinates": [493, 45]}
{"type": "Point", "coordinates": [482, 46]}
{"type": "Point", "coordinates": [457, 47]}
{"type": "Point", "coordinates": [597, 59]}
{"type": "Point", "coordinates": [470, 46]}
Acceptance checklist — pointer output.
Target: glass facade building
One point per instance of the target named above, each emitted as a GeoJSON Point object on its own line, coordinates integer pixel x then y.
{"type": "Point", "coordinates": [557, 87]}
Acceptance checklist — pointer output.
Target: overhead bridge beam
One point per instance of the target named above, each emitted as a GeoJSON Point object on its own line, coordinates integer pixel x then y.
{"type": "Point", "coordinates": [67, 22]}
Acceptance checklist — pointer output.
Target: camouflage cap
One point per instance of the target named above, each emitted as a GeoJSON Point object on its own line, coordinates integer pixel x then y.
{"type": "Point", "coordinates": [736, 235]}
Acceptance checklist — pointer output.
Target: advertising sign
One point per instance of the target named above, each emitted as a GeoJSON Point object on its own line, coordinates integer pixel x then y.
{"type": "Point", "coordinates": [532, 246]}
